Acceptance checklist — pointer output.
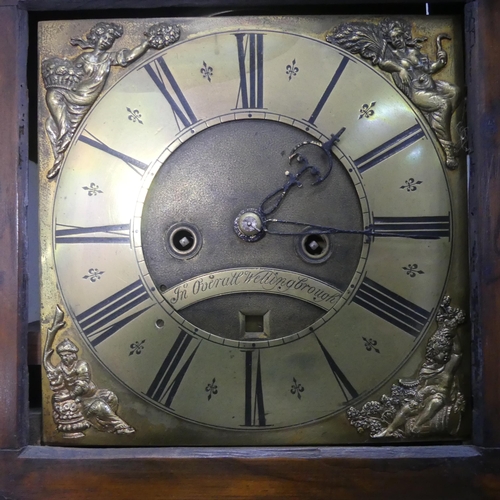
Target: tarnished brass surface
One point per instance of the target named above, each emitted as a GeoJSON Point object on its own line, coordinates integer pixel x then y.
{"type": "Point", "coordinates": [250, 230]}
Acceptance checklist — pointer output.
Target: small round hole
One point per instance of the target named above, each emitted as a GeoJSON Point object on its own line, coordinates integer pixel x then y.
{"type": "Point", "coordinates": [159, 323]}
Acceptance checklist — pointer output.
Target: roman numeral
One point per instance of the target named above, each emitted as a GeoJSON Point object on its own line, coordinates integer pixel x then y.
{"type": "Point", "coordinates": [251, 51]}
{"type": "Point", "coordinates": [255, 415]}
{"type": "Point", "coordinates": [162, 76]}
{"type": "Point", "coordinates": [346, 387]}
{"type": "Point", "coordinates": [391, 307]}
{"type": "Point", "coordinates": [172, 371]}
{"type": "Point", "coordinates": [389, 148]}
{"type": "Point", "coordinates": [110, 315]}
{"type": "Point", "coordinates": [114, 233]}
{"type": "Point", "coordinates": [431, 227]}
{"type": "Point", "coordinates": [329, 89]}
{"type": "Point", "coordinates": [137, 166]}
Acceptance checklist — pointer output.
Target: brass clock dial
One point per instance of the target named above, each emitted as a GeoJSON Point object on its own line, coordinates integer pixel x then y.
{"type": "Point", "coordinates": [214, 276]}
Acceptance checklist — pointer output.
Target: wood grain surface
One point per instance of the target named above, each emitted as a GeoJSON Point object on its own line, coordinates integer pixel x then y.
{"type": "Point", "coordinates": [416, 473]}
{"type": "Point", "coordinates": [13, 183]}
{"type": "Point", "coordinates": [483, 81]}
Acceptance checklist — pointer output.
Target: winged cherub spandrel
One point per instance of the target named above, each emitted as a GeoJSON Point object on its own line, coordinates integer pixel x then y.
{"type": "Point", "coordinates": [391, 46]}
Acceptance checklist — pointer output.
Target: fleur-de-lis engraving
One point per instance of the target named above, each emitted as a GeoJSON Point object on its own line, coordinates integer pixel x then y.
{"type": "Point", "coordinates": [411, 184]}
{"type": "Point", "coordinates": [137, 347]}
{"type": "Point", "coordinates": [292, 70]}
{"type": "Point", "coordinates": [297, 388]}
{"type": "Point", "coordinates": [370, 345]}
{"type": "Point", "coordinates": [134, 116]}
{"type": "Point", "coordinates": [92, 190]}
{"type": "Point", "coordinates": [366, 110]}
{"type": "Point", "coordinates": [412, 270]}
{"type": "Point", "coordinates": [212, 389]}
{"type": "Point", "coordinates": [94, 275]}
{"type": "Point", "coordinates": [207, 71]}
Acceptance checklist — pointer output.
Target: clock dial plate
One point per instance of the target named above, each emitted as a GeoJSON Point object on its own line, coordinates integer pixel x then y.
{"type": "Point", "coordinates": [251, 336]}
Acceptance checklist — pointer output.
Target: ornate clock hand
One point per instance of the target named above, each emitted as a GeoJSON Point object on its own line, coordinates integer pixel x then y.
{"type": "Point", "coordinates": [250, 224]}
{"type": "Point", "coordinates": [275, 198]}
{"type": "Point", "coordinates": [317, 229]}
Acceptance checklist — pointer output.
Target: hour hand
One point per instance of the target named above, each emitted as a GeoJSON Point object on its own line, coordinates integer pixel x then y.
{"type": "Point", "coordinates": [325, 146]}
{"type": "Point", "coordinates": [273, 200]}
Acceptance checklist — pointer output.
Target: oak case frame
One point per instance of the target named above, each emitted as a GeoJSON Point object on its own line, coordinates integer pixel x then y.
{"type": "Point", "coordinates": [462, 471]}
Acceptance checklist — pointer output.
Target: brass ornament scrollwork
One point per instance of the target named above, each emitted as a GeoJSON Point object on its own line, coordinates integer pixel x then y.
{"type": "Point", "coordinates": [73, 85]}
{"type": "Point", "coordinates": [432, 403]}
{"type": "Point", "coordinates": [391, 46]}
{"type": "Point", "coordinates": [77, 403]}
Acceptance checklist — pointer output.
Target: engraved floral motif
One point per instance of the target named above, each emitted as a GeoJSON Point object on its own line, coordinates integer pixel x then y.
{"type": "Point", "coordinates": [212, 389]}
{"type": "Point", "coordinates": [92, 190]}
{"type": "Point", "coordinates": [134, 115]}
{"type": "Point", "coordinates": [94, 275]}
{"type": "Point", "coordinates": [412, 270]}
{"type": "Point", "coordinates": [367, 110]}
{"type": "Point", "coordinates": [207, 71]}
{"type": "Point", "coordinates": [297, 388]}
{"type": "Point", "coordinates": [410, 185]}
{"type": "Point", "coordinates": [370, 345]}
{"type": "Point", "coordinates": [137, 347]}
{"type": "Point", "coordinates": [292, 70]}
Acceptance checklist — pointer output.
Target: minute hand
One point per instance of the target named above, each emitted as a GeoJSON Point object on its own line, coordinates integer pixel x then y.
{"type": "Point", "coordinates": [370, 231]}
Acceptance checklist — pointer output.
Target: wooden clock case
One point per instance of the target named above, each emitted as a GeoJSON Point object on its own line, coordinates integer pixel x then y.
{"type": "Point", "coordinates": [467, 470]}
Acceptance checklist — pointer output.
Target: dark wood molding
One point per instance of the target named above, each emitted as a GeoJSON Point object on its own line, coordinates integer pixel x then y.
{"type": "Point", "coordinates": [56, 5]}
{"type": "Point", "coordinates": [13, 189]}
{"type": "Point", "coordinates": [483, 81]}
{"type": "Point", "coordinates": [430, 472]}
{"type": "Point", "coordinates": [413, 473]}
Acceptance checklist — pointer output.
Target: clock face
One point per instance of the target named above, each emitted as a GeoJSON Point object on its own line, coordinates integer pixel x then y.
{"type": "Point", "coordinates": [202, 290]}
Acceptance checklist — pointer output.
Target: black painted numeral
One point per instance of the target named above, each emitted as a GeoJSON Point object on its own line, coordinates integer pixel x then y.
{"type": "Point", "coordinates": [326, 95]}
{"type": "Point", "coordinates": [137, 166]}
{"type": "Point", "coordinates": [345, 385]}
{"type": "Point", "coordinates": [391, 307]}
{"type": "Point", "coordinates": [255, 415]}
{"type": "Point", "coordinates": [162, 76]}
{"type": "Point", "coordinates": [110, 315]}
{"type": "Point", "coordinates": [114, 233]}
{"type": "Point", "coordinates": [430, 227]}
{"type": "Point", "coordinates": [172, 371]}
{"type": "Point", "coordinates": [389, 148]}
{"type": "Point", "coordinates": [251, 66]}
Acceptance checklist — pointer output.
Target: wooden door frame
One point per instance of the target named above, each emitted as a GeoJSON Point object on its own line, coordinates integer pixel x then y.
{"type": "Point", "coordinates": [460, 471]}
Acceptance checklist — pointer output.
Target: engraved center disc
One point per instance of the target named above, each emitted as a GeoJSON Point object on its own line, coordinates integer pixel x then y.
{"type": "Point", "coordinates": [204, 185]}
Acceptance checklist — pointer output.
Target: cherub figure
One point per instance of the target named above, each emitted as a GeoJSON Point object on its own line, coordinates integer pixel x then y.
{"type": "Point", "coordinates": [436, 385]}
{"type": "Point", "coordinates": [414, 406]}
{"type": "Point", "coordinates": [73, 85]}
{"type": "Point", "coordinates": [391, 46]}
